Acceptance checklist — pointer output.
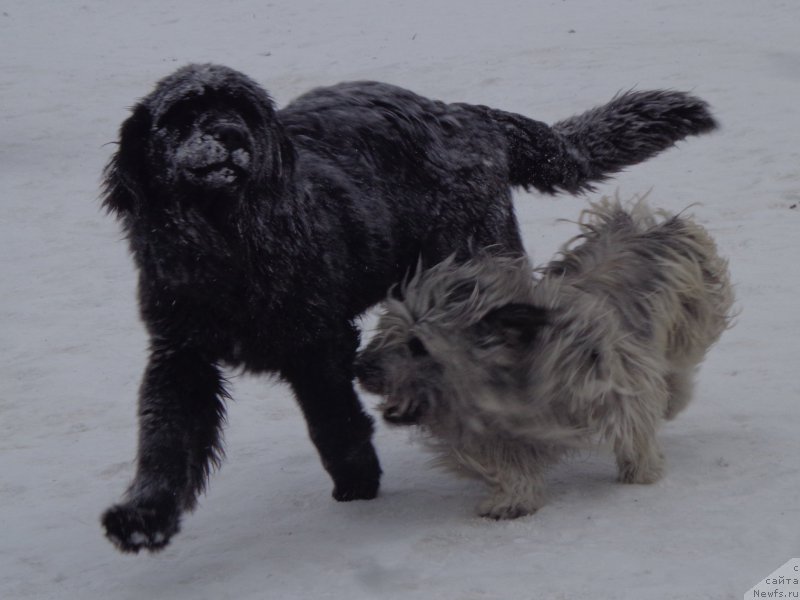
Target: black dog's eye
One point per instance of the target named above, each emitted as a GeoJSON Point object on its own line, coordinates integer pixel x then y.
{"type": "Point", "coordinates": [182, 114]}
{"type": "Point", "coordinates": [417, 348]}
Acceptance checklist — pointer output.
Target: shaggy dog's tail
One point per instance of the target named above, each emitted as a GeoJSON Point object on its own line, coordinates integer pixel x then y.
{"type": "Point", "coordinates": [585, 149]}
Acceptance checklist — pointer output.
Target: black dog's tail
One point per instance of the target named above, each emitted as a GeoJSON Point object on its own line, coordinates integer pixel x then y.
{"type": "Point", "coordinates": [588, 148]}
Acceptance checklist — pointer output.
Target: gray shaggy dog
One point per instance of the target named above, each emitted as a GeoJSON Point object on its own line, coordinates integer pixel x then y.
{"type": "Point", "coordinates": [509, 370]}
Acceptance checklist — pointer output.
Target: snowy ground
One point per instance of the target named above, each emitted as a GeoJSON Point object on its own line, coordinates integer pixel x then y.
{"type": "Point", "coordinates": [728, 511]}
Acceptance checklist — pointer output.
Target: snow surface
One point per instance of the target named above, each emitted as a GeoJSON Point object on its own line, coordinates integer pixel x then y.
{"type": "Point", "coordinates": [727, 512]}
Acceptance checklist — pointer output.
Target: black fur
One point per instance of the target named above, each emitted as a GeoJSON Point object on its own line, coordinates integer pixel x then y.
{"type": "Point", "coordinates": [260, 235]}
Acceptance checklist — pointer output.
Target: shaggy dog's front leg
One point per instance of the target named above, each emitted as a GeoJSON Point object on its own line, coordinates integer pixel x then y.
{"type": "Point", "coordinates": [322, 379]}
{"type": "Point", "coordinates": [181, 408]}
{"type": "Point", "coordinates": [514, 472]}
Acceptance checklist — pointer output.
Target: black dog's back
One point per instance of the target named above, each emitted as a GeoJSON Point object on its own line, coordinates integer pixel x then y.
{"type": "Point", "coordinates": [390, 130]}
{"type": "Point", "coordinates": [412, 176]}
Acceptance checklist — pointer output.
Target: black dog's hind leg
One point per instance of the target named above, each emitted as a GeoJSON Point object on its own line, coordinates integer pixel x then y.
{"type": "Point", "coordinates": [322, 379]}
{"type": "Point", "coordinates": [181, 409]}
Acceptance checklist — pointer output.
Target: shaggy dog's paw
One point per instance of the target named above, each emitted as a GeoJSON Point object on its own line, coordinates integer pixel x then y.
{"type": "Point", "coordinates": [359, 477]}
{"type": "Point", "coordinates": [633, 472]}
{"type": "Point", "coordinates": [136, 525]}
{"type": "Point", "coordinates": [502, 508]}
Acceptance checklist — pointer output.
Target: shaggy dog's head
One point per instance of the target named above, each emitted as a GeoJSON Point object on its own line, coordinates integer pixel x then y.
{"type": "Point", "coordinates": [205, 134]}
{"type": "Point", "coordinates": [457, 328]}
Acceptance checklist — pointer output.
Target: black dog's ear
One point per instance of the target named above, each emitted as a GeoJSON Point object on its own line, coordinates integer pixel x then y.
{"type": "Point", "coordinates": [285, 156]}
{"type": "Point", "coordinates": [516, 322]}
{"type": "Point", "coordinates": [125, 173]}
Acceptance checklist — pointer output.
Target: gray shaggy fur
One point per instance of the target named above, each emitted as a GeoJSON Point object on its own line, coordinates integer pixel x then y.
{"type": "Point", "coordinates": [509, 370]}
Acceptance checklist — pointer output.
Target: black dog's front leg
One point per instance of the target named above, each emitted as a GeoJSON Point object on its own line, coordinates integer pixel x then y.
{"type": "Point", "coordinates": [322, 379]}
{"type": "Point", "coordinates": [181, 409]}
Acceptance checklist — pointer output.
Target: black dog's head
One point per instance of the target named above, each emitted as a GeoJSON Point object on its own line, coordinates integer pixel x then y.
{"type": "Point", "coordinates": [206, 132]}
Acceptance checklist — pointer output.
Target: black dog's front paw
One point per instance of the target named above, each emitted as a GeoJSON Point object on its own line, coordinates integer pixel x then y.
{"type": "Point", "coordinates": [143, 524]}
{"type": "Point", "coordinates": [359, 477]}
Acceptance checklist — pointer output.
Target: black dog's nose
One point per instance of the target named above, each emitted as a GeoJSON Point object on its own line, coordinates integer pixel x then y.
{"type": "Point", "coordinates": [231, 136]}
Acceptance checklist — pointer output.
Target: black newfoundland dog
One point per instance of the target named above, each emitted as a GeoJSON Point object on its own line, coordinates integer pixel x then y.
{"type": "Point", "coordinates": [260, 235]}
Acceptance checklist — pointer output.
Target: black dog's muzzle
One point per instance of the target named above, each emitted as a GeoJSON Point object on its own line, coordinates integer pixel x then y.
{"type": "Point", "coordinates": [217, 153]}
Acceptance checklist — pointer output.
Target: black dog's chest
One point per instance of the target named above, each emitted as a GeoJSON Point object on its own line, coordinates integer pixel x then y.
{"type": "Point", "coordinates": [228, 319]}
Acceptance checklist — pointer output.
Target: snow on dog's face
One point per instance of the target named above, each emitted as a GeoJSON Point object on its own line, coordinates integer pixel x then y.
{"type": "Point", "coordinates": [455, 328]}
{"type": "Point", "coordinates": [203, 123]}
{"type": "Point", "coordinates": [204, 131]}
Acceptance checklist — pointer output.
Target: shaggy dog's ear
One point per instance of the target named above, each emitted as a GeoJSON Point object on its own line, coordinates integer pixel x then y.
{"type": "Point", "coordinates": [125, 172]}
{"type": "Point", "coordinates": [516, 323]}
